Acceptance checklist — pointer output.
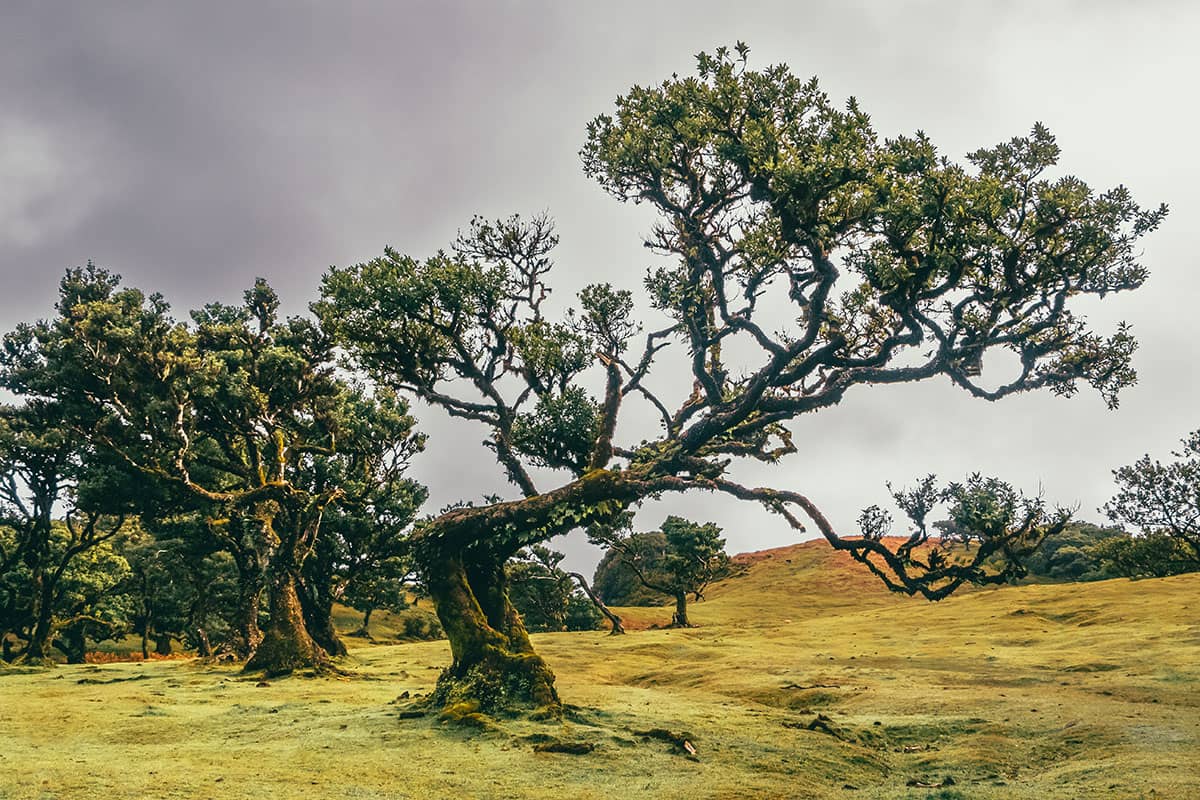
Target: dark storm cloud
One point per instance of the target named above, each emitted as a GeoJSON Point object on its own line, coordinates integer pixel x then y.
{"type": "Point", "coordinates": [211, 142]}
{"type": "Point", "coordinates": [192, 147]}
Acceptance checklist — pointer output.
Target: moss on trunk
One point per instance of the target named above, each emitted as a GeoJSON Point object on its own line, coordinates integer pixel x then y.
{"type": "Point", "coordinates": [286, 644]}
{"type": "Point", "coordinates": [495, 668]}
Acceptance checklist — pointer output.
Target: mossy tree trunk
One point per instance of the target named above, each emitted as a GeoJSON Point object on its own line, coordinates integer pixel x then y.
{"type": "Point", "coordinates": [286, 644]}
{"type": "Point", "coordinates": [317, 603]}
{"type": "Point", "coordinates": [246, 634]}
{"type": "Point", "coordinates": [494, 668]}
{"type": "Point", "coordinates": [37, 651]}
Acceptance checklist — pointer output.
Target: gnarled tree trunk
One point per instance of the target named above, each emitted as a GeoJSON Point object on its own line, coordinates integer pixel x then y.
{"type": "Point", "coordinates": [37, 651]}
{"type": "Point", "coordinates": [317, 604]}
{"type": "Point", "coordinates": [286, 644]}
{"type": "Point", "coordinates": [73, 643]}
{"type": "Point", "coordinates": [495, 668]}
{"type": "Point", "coordinates": [246, 634]}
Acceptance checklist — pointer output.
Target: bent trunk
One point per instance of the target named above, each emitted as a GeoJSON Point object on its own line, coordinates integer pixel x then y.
{"type": "Point", "coordinates": [73, 644]}
{"type": "Point", "coordinates": [617, 628]}
{"type": "Point", "coordinates": [495, 667]}
{"type": "Point", "coordinates": [286, 644]}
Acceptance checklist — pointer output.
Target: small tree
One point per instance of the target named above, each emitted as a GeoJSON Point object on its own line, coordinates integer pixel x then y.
{"type": "Point", "coordinates": [616, 582]}
{"type": "Point", "coordinates": [990, 532]}
{"type": "Point", "coordinates": [1151, 555]}
{"type": "Point", "coordinates": [382, 587]}
{"type": "Point", "coordinates": [689, 558]}
{"type": "Point", "coordinates": [1160, 500]}
{"type": "Point", "coordinates": [540, 590]}
{"type": "Point", "coordinates": [551, 599]}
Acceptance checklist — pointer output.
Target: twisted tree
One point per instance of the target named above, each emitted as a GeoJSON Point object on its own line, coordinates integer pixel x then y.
{"type": "Point", "coordinates": [239, 416]}
{"type": "Point", "coordinates": [803, 257]}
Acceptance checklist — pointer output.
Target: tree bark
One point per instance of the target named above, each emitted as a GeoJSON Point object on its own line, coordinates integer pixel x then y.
{"type": "Point", "coordinates": [203, 647]}
{"type": "Point", "coordinates": [317, 606]}
{"type": "Point", "coordinates": [494, 665]}
{"type": "Point", "coordinates": [286, 644]}
{"type": "Point", "coordinates": [680, 618]}
{"type": "Point", "coordinates": [162, 644]}
{"type": "Point", "coordinates": [246, 634]}
{"type": "Point", "coordinates": [37, 651]}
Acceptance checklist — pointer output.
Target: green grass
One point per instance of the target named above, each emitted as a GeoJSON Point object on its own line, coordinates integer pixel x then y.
{"type": "Point", "coordinates": [1047, 691]}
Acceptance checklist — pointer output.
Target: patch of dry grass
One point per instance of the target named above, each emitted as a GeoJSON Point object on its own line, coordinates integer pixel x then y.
{"type": "Point", "coordinates": [803, 679]}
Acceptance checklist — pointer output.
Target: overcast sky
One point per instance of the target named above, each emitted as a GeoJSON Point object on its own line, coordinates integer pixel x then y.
{"type": "Point", "coordinates": [192, 149]}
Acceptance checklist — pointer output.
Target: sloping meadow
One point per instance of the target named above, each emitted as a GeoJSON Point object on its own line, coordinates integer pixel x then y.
{"type": "Point", "coordinates": [802, 679]}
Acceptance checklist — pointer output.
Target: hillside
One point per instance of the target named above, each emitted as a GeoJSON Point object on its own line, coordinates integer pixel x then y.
{"type": "Point", "coordinates": [805, 679]}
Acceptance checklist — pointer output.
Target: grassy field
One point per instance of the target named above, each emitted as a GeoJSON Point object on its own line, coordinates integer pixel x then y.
{"type": "Point", "coordinates": [803, 679]}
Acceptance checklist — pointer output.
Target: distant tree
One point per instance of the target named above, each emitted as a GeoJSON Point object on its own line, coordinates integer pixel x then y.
{"type": "Point", "coordinates": [549, 598]}
{"type": "Point", "coordinates": [990, 532]}
{"type": "Point", "coordinates": [805, 257]}
{"type": "Point", "coordinates": [384, 587]}
{"type": "Point", "coordinates": [205, 576]}
{"type": "Point", "coordinates": [362, 556]}
{"type": "Point", "coordinates": [617, 583]}
{"type": "Point", "coordinates": [91, 605]}
{"type": "Point", "coordinates": [1160, 500]}
{"type": "Point", "coordinates": [1072, 554]}
{"type": "Point", "coordinates": [584, 614]}
{"type": "Point", "coordinates": [1151, 555]}
{"type": "Point", "coordinates": [687, 558]}
{"type": "Point", "coordinates": [539, 589]}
